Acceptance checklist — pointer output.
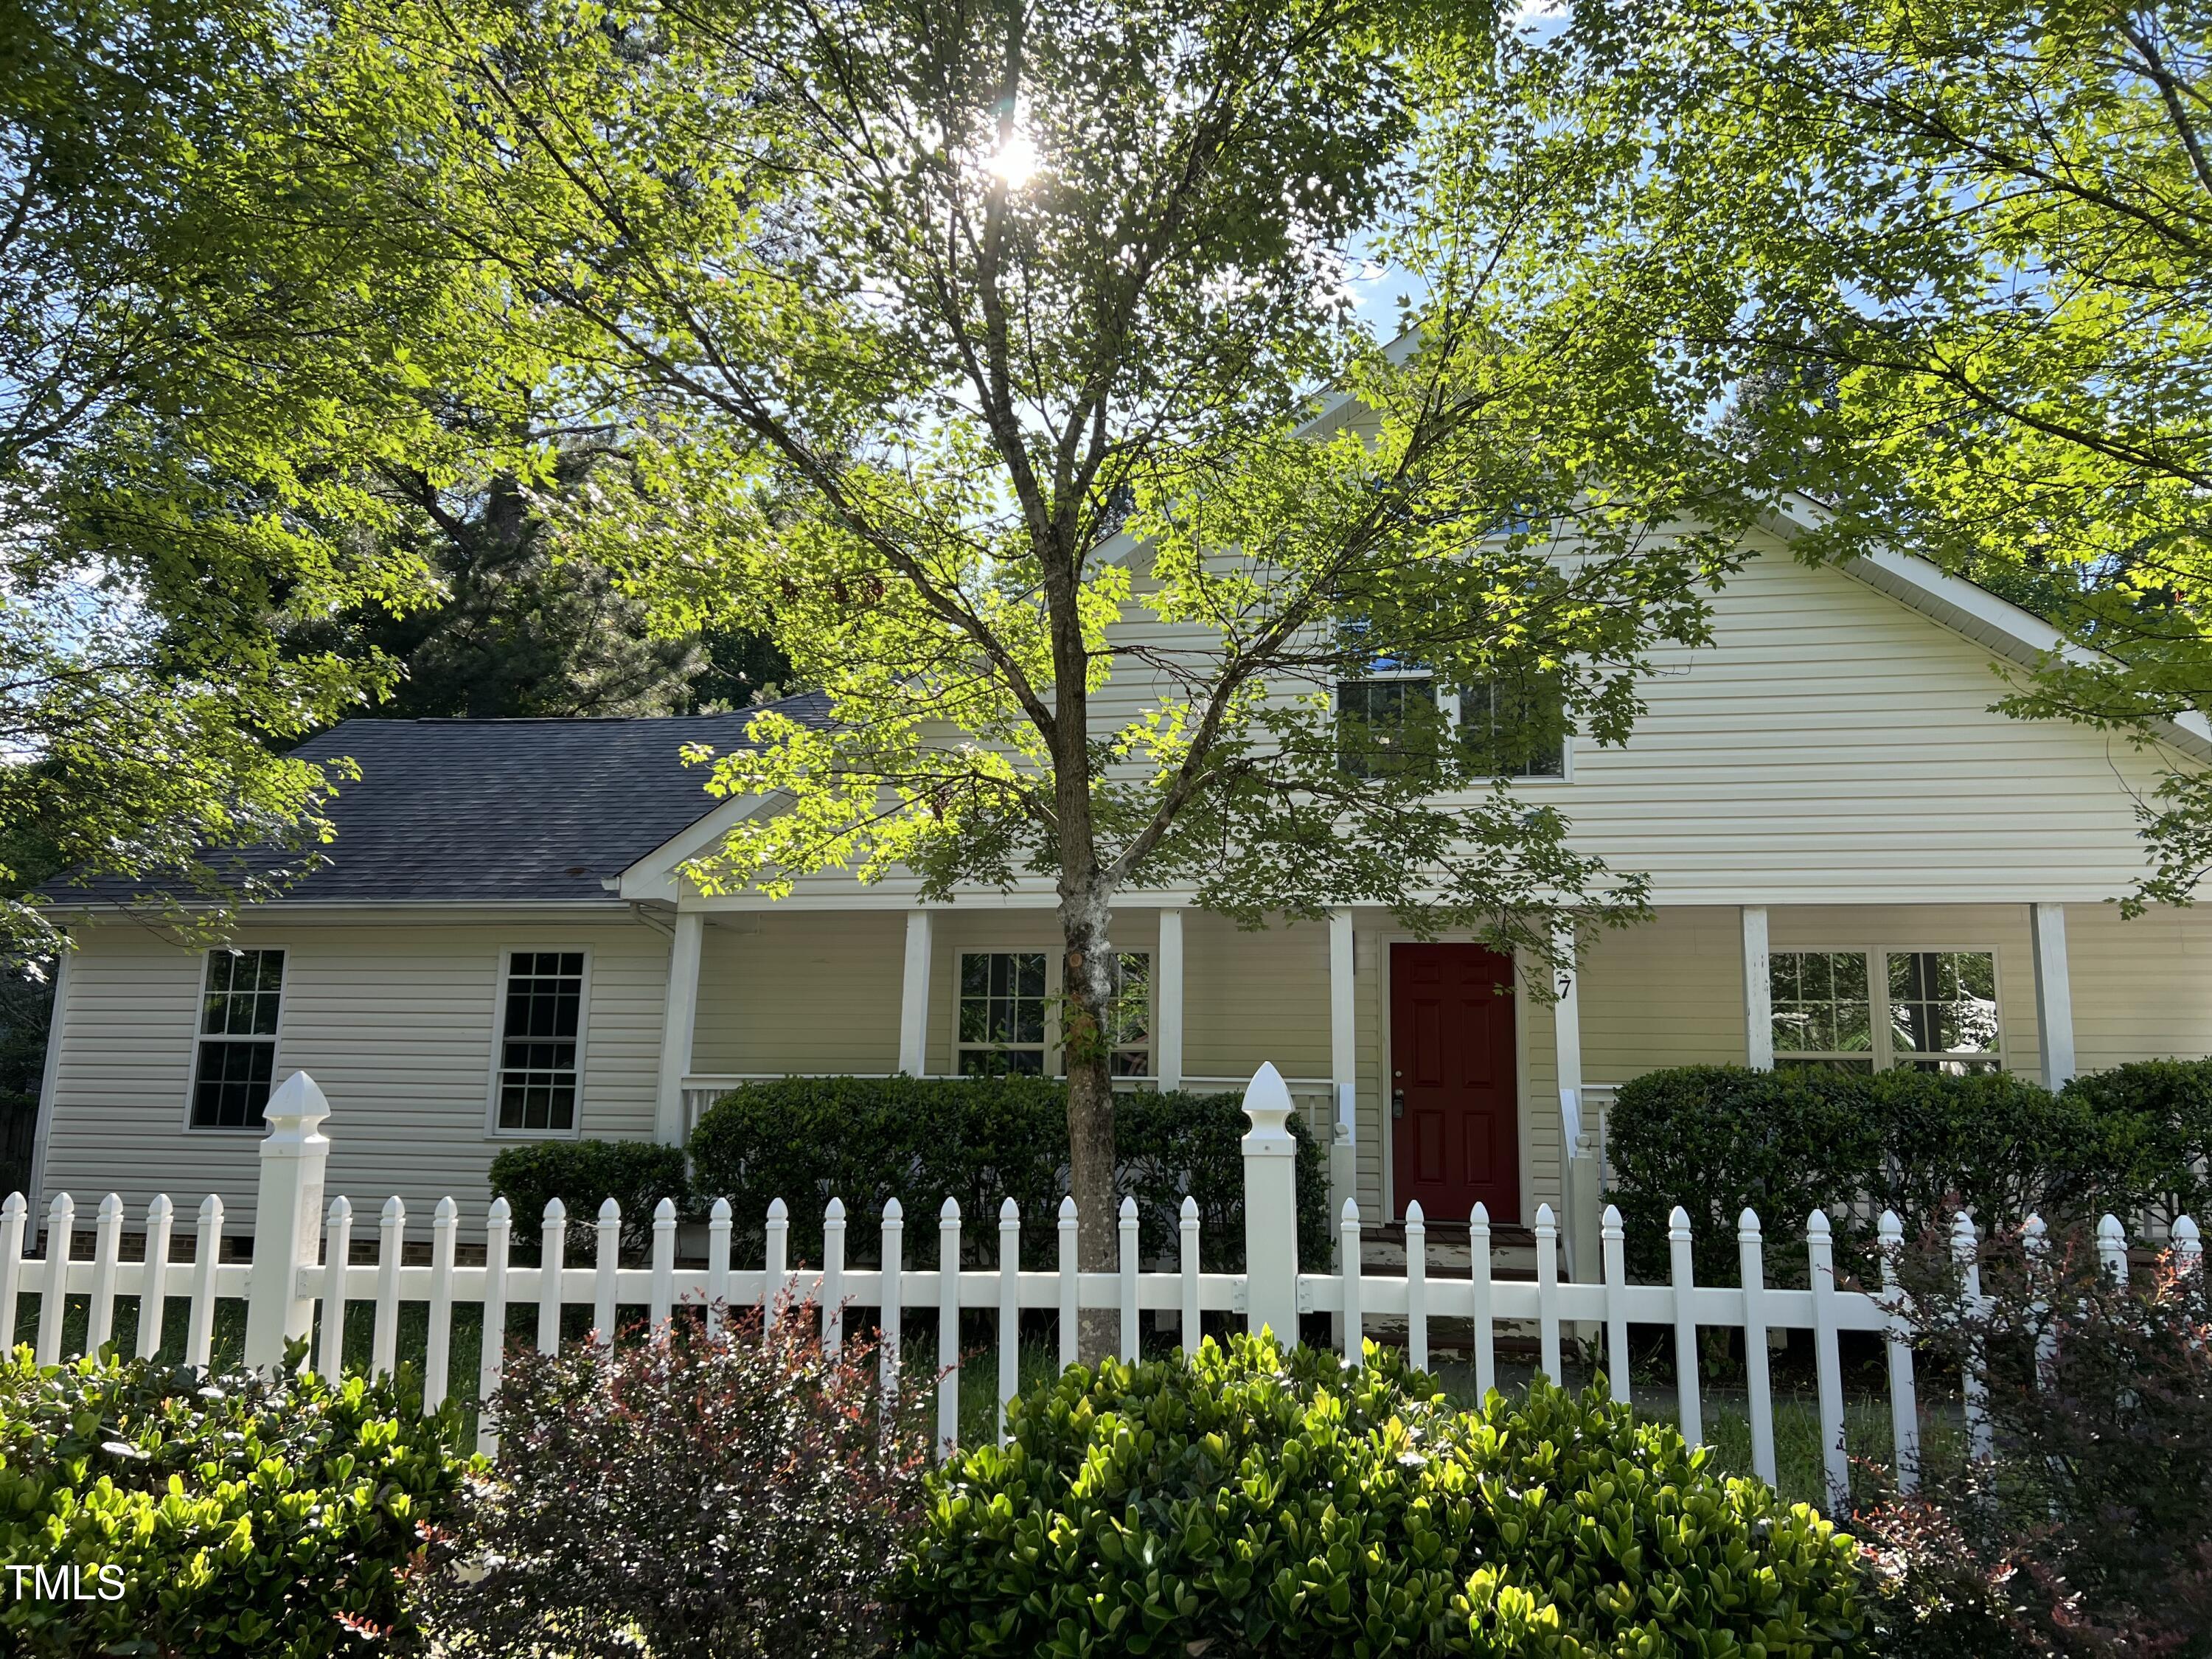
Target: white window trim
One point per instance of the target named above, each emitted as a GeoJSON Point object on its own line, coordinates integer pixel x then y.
{"type": "Point", "coordinates": [1449, 709]}
{"type": "Point", "coordinates": [277, 1073]}
{"type": "Point", "coordinates": [575, 1131]}
{"type": "Point", "coordinates": [1886, 1058]}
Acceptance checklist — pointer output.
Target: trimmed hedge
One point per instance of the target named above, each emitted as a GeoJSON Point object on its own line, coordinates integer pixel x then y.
{"type": "Point", "coordinates": [1248, 1501]}
{"type": "Point", "coordinates": [980, 1140]}
{"type": "Point", "coordinates": [1719, 1138]}
{"type": "Point", "coordinates": [583, 1175]}
{"type": "Point", "coordinates": [244, 1515]}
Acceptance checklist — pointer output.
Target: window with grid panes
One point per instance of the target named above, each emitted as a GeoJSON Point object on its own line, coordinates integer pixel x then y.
{"type": "Point", "coordinates": [236, 1057]}
{"type": "Point", "coordinates": [541, 1015]}
{"type": "Point", "coordinates": [1131, 1019]}
{"type": "Point", "coordinates": [1862, 1011]}
{"type": "Point", "coordinates": [1001, 1013]}
{"type": "Point", "coordinates": [1515, 728]}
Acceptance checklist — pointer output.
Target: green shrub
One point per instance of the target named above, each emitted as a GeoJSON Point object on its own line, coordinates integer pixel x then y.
{"type": "Point", "coordinates": [1251, 1502]}
{"type": "Point", "coordinates": [2153, 1119]}
{"type": "Point", "coordinates": [246, 1515]}
{"type": "Point", "coordinates": [583, 1175]}
{"type": "Point", "coordinates": [1718, 1140]}
{"type": "Point", "coordinates": [980, 1140]}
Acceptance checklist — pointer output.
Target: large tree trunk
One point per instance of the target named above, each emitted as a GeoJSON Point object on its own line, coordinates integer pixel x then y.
{"type": "Point", "coordinates": [1087, 985]}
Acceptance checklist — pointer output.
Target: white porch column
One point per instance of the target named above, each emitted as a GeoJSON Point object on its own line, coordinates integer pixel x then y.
{"type": "Point", "coordinates": [2054, 993]}
{"type": "Point", "coordinates": [1343, 1059]}
{"type": "Point", "coordinates": [1167, 1002]}
{"type": "Point", "coordinates": [1567, 1056]}
{"type": "Point", "coordinates": [1343, 1073]}
{"type": "Point", "coordinates": [679, 1021]}
{"type": "Point", "coordinates": [913, 997]}
{"type": "Point", "coordinates": [1758, 991]}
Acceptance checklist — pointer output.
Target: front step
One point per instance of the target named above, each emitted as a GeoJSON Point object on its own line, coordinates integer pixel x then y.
{"type": "Point", "coordinates": [1512, 1250]}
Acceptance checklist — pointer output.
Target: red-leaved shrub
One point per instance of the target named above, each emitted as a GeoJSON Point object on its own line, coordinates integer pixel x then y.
{"type": "Point", "coordinates": [2085, 1533]}
{"type": "Point", "coordinates": [735, 1496]}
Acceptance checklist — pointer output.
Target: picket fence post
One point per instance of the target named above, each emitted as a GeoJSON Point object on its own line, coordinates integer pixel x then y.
{"type": "Point", "coordinates": [1271, 1209]}
{"type": "Point", "coordinates": [287, 1220]}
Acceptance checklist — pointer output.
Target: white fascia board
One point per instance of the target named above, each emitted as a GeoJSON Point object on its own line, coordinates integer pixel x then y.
{"type": "Point", "coordinates": [1968, 609]}
{"type": "Point", "coordinates": [653, 876]}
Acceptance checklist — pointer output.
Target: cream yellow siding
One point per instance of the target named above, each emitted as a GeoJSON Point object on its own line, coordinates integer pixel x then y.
{"type": "Point", "coordinates": [799, 991]}
{"type": "Point", "coordinates": [2142, 989]}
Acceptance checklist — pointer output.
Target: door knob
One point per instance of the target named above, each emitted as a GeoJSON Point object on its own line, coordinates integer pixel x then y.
{"type": "Point", "coordinates": [1397, 1102]}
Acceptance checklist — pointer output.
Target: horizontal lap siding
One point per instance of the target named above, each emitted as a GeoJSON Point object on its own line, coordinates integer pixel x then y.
{"type": "Point", "coordinates": [1255, 997]}
{"type": "Point", "coordinates": [394, 1022]}
{"type": "Point", "coordinates": [799, 991]}
{"type": "Point", "coordinates": [1834, 745]}
{"type": "Point", "coordinates": [2142, 989]}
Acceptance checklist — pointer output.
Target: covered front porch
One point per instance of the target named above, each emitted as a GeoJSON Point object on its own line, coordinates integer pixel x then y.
{"type": "Point", "coordinates": [1429, 1068]}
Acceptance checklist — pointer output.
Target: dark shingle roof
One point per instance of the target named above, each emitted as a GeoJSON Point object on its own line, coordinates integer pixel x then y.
{"type": "Point", "coordinates": [508, 809]}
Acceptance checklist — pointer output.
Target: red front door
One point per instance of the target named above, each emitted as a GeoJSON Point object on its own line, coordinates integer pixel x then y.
{"type": "Point", "coordinates": [1455, 1132]}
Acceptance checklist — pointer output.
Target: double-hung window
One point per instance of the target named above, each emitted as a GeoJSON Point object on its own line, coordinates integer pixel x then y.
{"type": "Point", "coordinates": [1505, 728]}
{"type": "Point", "coordinates": [235, 1059]}
{"type": "Point", "coordinates": [1515, 728]}
{"type": "Point", "coordinates": [540, 1039]}
{"type": "Point", "coordinates": [1870, 1011]}
{"type": "Point", "coordinates": [1002, 1012]}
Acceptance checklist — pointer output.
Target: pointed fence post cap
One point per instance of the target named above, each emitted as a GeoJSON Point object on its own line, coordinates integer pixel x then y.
{"type": "Point", "coordinates": [501, 1213]}
{"type": "Point", "coordinates": [1128, 1212]}
{"type": "Point", "coordinates": [609, 1211]}
{"type": "Point", "coordinates": [1816, 1224]}
{"type": "Point", "coordinates": [111, 1207]}
{"type": "Point", "coordinates": [297, 1108]}
{"type": "Point", "coordinates": [1747, 1224]}
{"type": "Point", "coordinates": [1267, 1102]}
{"type": "Point", "coordinates": [1480, 1215]}
{"type": "Point", "coordinates": [1678, 1221]}
{"type": "Point", "coordinates": [1067, 1212]}
{"type": "Point", "coordinates": [64, 1205]}
{"type": "Point", "coordinates": [950, 1210]}
{"type": "Point", "coordinates": [341, 1207]}
{"type": "Point", "coordinates": [555, 1210]}
{"type": "Point", "coordinates": [1190, 1209]}
{"type": "Point", "coordinates": [1610, 1222]}
{"type": "Point", "coordinates": [894, 1212]}
{"type": "Point", "coordinates": [448, 1213]}
{"type": "Point", "coordinates": [834, 1212]}
{"type": "Point", "coordinates": [1010, 1213]}
{"type": "Point", "coordinates": [16, 1204]}
{"type": "Point", "coordinates": [722, 1212]}
{"type": "Point", "coordinates": [393, 1209]}
{"type": "Point", "coordinates": [1350, 1214]}
{"type": "Point", "coordinates": [1891, 1229]}
{"type": "Point", "coordinates": [161, 1209]}
{"type": "Point", "coordinates": [1547, 1220]}
{"type": "Point", "coordinates": [664, 1213]}
{"type": "Point", "coordinates": [2185, 1231]}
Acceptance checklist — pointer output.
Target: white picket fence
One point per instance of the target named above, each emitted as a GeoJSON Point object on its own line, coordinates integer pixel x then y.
{"type": "Point", "coordinates": [311, 1252]}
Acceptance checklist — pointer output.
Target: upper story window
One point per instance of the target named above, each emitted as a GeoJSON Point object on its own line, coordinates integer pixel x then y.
{"type": "Point", "coordinates": [1002, 1013]}
{"type": "Point", "coordinates": [1392, 725]}
{"type": "Point", "coordinates": [236, 1054]}
{"type": "Point", "coordinates": [540, 1037]}
{"type": "Point", "coordinates": [1858, 1011]}
{"type": "Point", "coordinates": [1385, 727]}
{"type": "Point", "coordinates": [1515, 728]}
